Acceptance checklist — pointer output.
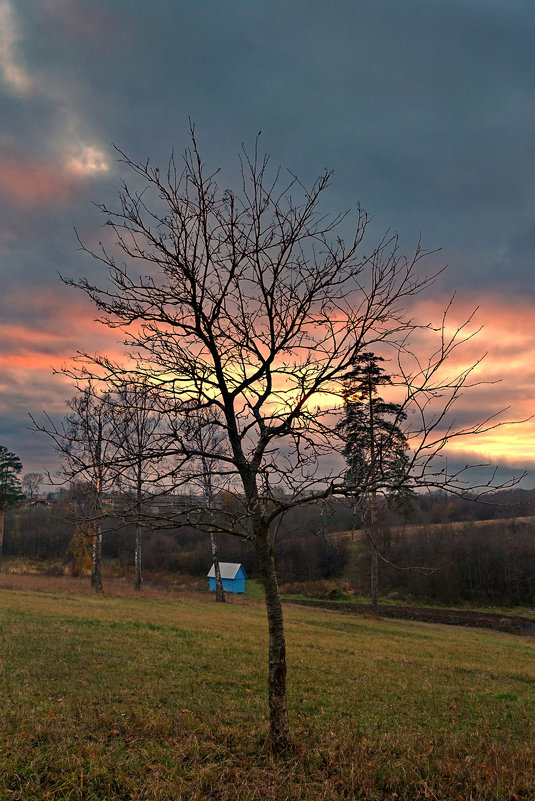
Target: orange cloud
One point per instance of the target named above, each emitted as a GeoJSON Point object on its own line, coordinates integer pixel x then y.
{"type": "Point", "coordinates": [505, 379]}
{"type": "Point", "coordinates": [64, 323]}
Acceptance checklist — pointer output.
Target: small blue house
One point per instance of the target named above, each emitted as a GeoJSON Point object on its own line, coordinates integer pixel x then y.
{"type": "Point", "coordinates": [232, 577]}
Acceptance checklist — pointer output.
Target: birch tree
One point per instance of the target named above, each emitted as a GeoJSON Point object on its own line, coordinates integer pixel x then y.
{"type": "Point", "coordinates": [135, 434]}
{"type": "Point", "coordinates": [86, 442]}
{"type": "Point", "coordinates": [207, 435]}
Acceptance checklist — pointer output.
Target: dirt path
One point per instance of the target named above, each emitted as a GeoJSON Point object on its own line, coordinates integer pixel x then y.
{"type": "Point", "coordinates": [449, 617]}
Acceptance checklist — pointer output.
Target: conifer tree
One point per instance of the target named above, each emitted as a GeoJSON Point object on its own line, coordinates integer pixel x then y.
{"type": "Point", "coordinates": [10, 489]}
{"type": "Point", "coordinates": [375, 447]}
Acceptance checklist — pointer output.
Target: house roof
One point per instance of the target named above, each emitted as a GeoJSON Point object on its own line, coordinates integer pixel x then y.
{"type": "Point", "coordinates": [228, 570]}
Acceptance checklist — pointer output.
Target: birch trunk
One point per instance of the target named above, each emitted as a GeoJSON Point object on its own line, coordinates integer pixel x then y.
{"type": "Point", "coordinates": [374, 574]}
{"type": "Point", "coordinates": [374, 561]}
{"type": "Point", "coordinates": [96, 574]}
{"type": "Point", "coordinates": [278, 707]}
{"type": "Point", "coordinates": [219, 591]}
{"type": "Point", "coordinates": [209, 497]}
{"type": "Point", "coordinates": [137, 559]}
{"type": "Point", "coordinates": [139, 499]}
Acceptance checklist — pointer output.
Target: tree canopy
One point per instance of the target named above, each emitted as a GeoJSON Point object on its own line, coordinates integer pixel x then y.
{"type": "Point", "coordinates": [10, 488]}
{"type": "Point", "coordinates": [10, 485]}
{"type": "Point", "coordinates": [375, 446]}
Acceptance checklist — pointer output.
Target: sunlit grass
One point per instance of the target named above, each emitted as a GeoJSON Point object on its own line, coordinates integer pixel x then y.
{"type": "Point", "coordinates": [119, 698]}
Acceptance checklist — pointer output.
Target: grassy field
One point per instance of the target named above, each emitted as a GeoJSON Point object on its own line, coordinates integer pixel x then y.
{"type": "Point", "coordinates": [123, 698]}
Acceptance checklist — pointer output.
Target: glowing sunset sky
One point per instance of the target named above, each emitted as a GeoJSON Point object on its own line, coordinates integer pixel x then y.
{"type": "Point", "coordinates": [424, 110]}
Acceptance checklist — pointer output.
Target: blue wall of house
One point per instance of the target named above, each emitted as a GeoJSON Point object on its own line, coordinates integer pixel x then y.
{"type": "Point", "coordinates": [235, 585]}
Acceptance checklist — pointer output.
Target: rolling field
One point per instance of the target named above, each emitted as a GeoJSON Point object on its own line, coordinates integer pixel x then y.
{"type": "Point", "coordinates": [121, 698]}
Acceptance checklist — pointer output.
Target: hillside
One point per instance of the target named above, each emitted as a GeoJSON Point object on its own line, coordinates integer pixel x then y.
{"type": "Point", "coordinates": [123, 698]}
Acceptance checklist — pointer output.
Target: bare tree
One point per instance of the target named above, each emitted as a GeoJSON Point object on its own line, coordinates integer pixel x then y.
{"type": "Point", "coordinates": [31, 483]}
{"type": "Point", "coordinates": [87, 444]}
{"type": "Point", "coordinates": [252, 305]}
{"type": "Point", "coordinates": [136, 432]}
{"type": "Point", "coordinates": [207, 434]}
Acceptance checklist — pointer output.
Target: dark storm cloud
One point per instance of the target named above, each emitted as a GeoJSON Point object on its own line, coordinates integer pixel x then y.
{"type": "Point", "coordinates": [476, 471]}
{"type": "Point", "coordinates": [425, 109]}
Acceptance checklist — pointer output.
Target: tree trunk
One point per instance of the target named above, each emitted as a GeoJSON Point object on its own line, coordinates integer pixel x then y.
{"type": "Point", "coordinates": [219, 591]}
{"type": "Point", "coordinates": [2, 518]}
{"type": "Point", "coordinates": [96, 573]}
{"type": "Point", "coordinates": [278, 708]}
{"type": "Point", "coordinates": [139, 499]}
{"type": "Point", "coordinates": [209, 497]}
{"type": "Point", "coordinates": [374, 573]}
{"type": "Point", "coordinates": [137, 559]}
{"type": "Point", "coordinates": [374, 560]}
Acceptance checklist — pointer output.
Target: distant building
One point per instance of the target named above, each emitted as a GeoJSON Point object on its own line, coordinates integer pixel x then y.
{"type": "Point", "coordinates": [232, 577]}
{"type": "Point", "coordinates": [172, 504]}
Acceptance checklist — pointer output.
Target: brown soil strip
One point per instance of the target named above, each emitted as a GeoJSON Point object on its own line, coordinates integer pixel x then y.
{"type": "Point", "coordinates": [449, 617]}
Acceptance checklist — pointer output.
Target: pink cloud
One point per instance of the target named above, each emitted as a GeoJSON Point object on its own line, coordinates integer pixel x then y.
{"type": "Point", "coordinates": [61, 322]}
{"type": "Point", "coordinates": [26, 183]}
{"type": "Point", "coordinates": [76, 21]}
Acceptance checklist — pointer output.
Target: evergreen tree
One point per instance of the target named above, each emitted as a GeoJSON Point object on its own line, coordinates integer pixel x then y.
{"type": "Point", "coordinates": [10, 489]}
{"type": "Point", "coordinates": [375, 447]}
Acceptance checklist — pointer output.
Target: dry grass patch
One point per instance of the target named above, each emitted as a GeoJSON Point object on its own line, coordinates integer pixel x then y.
{"type": "Point", "coordinates": [120, 698]}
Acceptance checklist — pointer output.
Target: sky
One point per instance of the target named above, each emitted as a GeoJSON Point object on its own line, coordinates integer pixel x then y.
{"type": "Point", "coordinates": [424, 110]}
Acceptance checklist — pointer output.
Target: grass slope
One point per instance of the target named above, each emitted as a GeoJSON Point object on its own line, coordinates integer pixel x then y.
{"type": "Point", "coordinates": [457, 525]}
{"type": "Point", "coordinates": [120, 698]}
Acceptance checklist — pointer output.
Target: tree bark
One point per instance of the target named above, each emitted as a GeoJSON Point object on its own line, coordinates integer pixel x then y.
{"type": "Point", "coordinates": [374, 559]}
{"type": "Point", "coordinates": [374, 573]}
{"type": "Point", "coordinates": [139, 499]}
{"type": "Point", "coordinates": [219, 591]}
{"type": "Point", "coordinates": [137, 559]}
{"type": "Point", "coordinates": [96, 574]}
{"type": "Point", "coordinates": [278, 707]}
{"type": "Point", "coordinates": [209, 497]}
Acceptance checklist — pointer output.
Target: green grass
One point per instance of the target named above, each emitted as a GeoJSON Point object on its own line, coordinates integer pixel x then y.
{"type": "Point", "coordinates": [254, 589]}
{"type": "Point", "coordinates": [120, 698]}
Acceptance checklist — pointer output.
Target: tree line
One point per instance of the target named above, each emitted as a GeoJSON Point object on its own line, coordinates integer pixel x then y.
{"type": "Point", "coordinates": [470, 553]}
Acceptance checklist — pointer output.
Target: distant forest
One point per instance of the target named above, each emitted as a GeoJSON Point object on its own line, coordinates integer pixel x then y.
{"type": "Point", "coordinates": [448, 550]}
